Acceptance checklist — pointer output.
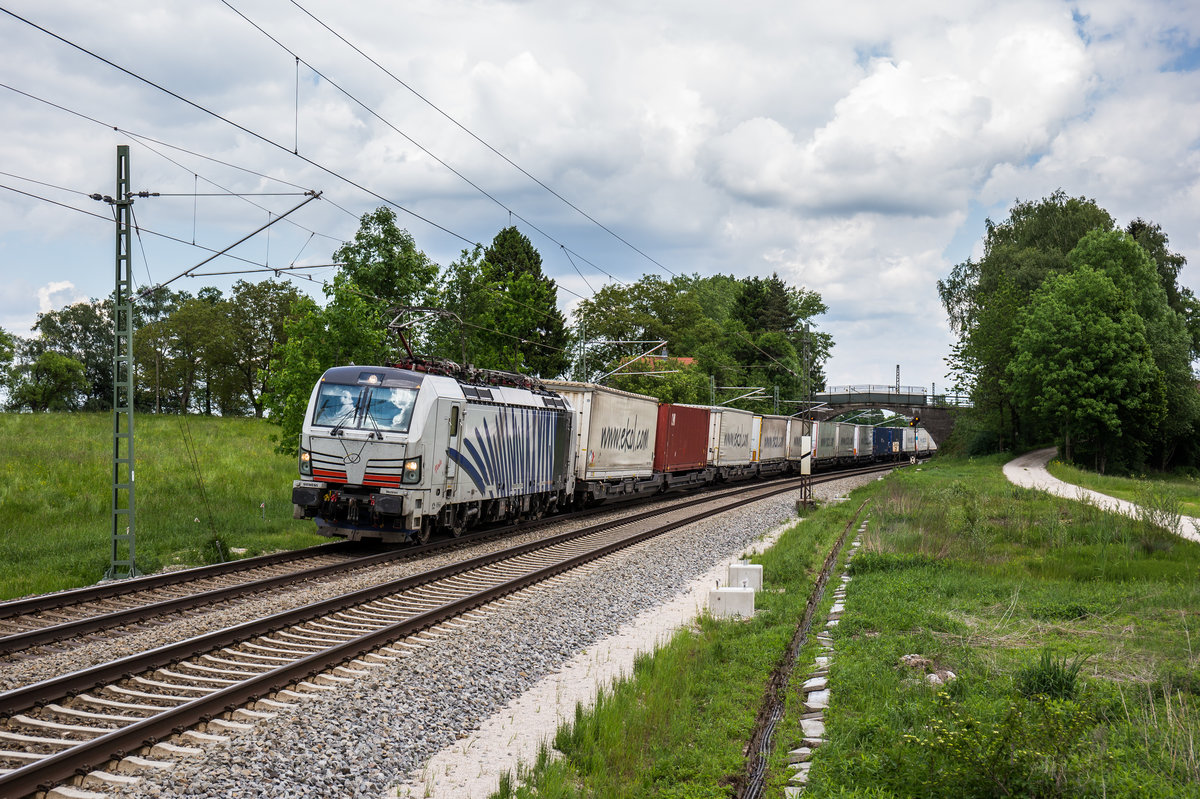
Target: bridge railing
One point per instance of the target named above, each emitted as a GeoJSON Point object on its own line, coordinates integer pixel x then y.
{"type": "Point", "coordinates": [912, 396]}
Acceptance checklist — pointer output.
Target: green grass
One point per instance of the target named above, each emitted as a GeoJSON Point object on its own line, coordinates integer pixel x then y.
{"type": "Point", "coordinates": [677, 727]}
{"type": "Point", "coordinates": [1071, 632]}
{"type": "Point", "coordinates": [56, 494]}
{"type": "Point", "coordinates": [1184, 489]}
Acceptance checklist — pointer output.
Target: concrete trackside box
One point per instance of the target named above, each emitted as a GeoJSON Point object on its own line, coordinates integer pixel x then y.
{"type": "Point", "coordinates": [616, 430]}
{"type": "Point", "coordinates": [682, 441]}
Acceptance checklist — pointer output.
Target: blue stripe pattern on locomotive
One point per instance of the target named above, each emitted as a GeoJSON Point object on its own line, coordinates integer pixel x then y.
{"type": "Point", "coordinates": [524, 444]}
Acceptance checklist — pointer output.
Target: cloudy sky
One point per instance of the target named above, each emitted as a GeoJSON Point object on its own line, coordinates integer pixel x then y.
{"type": "Point", "coordinates": [854, 148]}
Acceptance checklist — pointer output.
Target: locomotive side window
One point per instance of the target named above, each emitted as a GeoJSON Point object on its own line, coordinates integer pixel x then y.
{"type": "Point", "coordinates": [390, 408]}
{"type": "Point", "coordinates": [336, 405]}
{"type": "Point", "coordinates": [454, 421]}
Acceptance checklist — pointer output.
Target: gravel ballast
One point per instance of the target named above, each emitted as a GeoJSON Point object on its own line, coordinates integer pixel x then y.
{"type": "Point", "coordinates": [380, 733]}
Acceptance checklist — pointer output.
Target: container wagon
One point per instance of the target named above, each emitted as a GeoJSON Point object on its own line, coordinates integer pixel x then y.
{"type": "Point", "coordinates": [681, 445]}
{"type": "Point", "coordinates": [773, 444]}
{"type": "Point", "coordinates": [614, 445]}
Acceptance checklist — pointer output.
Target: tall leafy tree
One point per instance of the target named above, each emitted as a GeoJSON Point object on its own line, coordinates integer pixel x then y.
{"type": "Point", "coordinates": [1082, 363]}
{"type": "Point", "coordinates": [1128, 264]}
{"type": "Point", "coordinates": [259, 313]}
{"type": "Point", "coordinates": [1181, 299]}
{"type": "Point", "coordinates": [527, 331]}
{"type": "Point", "coordinates": [50, 382]}
{"type": "Point", "coordinates": [980, 297]}
{"type": "Point", "coordinates": [84, 332]}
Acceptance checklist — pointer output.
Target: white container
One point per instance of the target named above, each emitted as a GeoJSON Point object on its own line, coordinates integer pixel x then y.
{"type": "Point", "coordinates": [729, 437]}
{"type": "Point", "coordinates": [773, 442]}
{"type": "Point", "coordinates": [616, 430]}
{"type": "Point", "coordinates": [726, 603]}
{"type": "Point", "coordinates": [798, 430]}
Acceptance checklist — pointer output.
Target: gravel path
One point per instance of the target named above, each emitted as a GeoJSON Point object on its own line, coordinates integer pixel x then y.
{"type": "Point", "coordinates": [1029, 471]}
{"type": "Point", "coordinates": [364, 740]}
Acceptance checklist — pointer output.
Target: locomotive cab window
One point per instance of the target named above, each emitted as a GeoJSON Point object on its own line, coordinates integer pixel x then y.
{"type": "Point", "coordinates": [336, 405]}
{"type": "Point", "coordinates": [454, 421]}
{"type": "Point", "coordinates": [390, 409]}
{"type": "Point", "coordinates": [358, 408]}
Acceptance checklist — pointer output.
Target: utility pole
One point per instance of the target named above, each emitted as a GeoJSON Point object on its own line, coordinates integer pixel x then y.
{"type": "Point", "coordinates": [123, 563]}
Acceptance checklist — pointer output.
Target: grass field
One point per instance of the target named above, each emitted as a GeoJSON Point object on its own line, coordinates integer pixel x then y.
{"type": "Point", "coordinates": [56, 494]}
{"type": "Point", "coordinates": [1070, 631]}
{"type": "Point", "coordinates": [1182, 490]}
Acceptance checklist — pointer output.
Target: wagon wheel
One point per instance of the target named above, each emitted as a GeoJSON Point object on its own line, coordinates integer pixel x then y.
{"type": "Point", "coordinates": [424, 532]}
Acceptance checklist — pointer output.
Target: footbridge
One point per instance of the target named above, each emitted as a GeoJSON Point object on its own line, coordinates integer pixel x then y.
{"type": "Point", "coordinates": [936, 411]}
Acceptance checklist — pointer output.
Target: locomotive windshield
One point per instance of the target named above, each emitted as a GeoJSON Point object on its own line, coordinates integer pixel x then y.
{"type": "Point", "coordinates": [364, 407]}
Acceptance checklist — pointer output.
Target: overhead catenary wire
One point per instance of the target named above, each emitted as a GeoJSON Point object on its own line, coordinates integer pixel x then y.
{"type": "Point", "coordinates": [349, 95]}
{"type": "Point", "coordinates": [151, 83]}
{"type": "Point", "coordinates": [243, 128]}
{"type": "Point", "coordinates": [168, 237]}
{"type": "Point", "coordinates": [142, 140]}
{"type": "Point", "coordinates": [477, 138]}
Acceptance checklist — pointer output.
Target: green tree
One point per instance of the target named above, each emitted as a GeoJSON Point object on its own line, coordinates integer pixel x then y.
{"type": "Point", "coordinates": [1168, 265]}
{"type": "Point", "coordinates": [1082, 363]}
{"type": "Point", "coordinates": [197, 334]}
{"type": "Point", "coordinates": [981, 299]}
{"type": "Point", "coordinates": [259, 313]}
{"type": "Point", "coordinates": [528, 332]}
{"type": "Point", "coordinates": [8, 351]}
{"type": "Point", "coordinates": [686, 383]}
{"type": "Point", "coordinates": [383, 269]}
{"type": "Point", "coordinates": [1131, 268]}
{"type": "Point", "coordinates": [84, 332]}
{"type": "Point", "coordinates": [50, 382]}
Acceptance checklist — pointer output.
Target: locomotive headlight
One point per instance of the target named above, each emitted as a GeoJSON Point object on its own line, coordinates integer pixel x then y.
{"type": "Point", "coordinates": [305, 462]}
{"type": "Point", "coordinates": [412, 471]}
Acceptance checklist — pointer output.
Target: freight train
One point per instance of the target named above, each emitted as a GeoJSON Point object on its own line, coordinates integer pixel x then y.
{"type": "Point", "coordinates": [393, 453]}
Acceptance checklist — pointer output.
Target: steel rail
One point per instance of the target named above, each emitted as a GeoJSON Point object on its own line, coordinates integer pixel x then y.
{"type": "Point", "coordinates": [107, 590]}
{"type": "Point", "coordinates": [90, 754]}
{"type": "Point", "coordinates": [48, 634]}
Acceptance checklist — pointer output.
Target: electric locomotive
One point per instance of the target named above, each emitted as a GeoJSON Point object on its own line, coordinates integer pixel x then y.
{"type": "Point", "coordinates": [390, 453]}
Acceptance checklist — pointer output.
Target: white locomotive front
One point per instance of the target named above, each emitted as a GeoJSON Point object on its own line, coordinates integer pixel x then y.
{"type": "Point", "coordinates": [390, 454]}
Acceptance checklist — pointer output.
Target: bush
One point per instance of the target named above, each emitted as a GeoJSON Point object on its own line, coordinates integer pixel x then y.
{"type": "Point", "coordinates": [1050, 677]}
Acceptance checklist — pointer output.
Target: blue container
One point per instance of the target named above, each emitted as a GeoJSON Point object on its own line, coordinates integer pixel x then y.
{"type": "Point", "coordinates": [884, 437]}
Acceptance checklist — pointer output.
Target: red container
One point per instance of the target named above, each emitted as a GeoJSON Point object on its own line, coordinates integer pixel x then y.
{"type": "Point", "coordinates": [681, 443]}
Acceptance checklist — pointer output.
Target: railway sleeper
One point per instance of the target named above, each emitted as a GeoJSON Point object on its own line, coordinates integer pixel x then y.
{"type": "Point", "coordinates": [42, 724]}
{"type": "Point", "coordinates": [169, 749]}
{"type": "Point", "coordinates": [96, 701]}
{"type": "Point", "coordinates": [220, 726]}
{"type": "Point", "coordinates": [73, 713]}
{"type": "Point", "coordinates": [108, 779]}
{"type": "Point", "coordinates": [193, 678]}
{"type": "Point", "coordinates": [136, 764]}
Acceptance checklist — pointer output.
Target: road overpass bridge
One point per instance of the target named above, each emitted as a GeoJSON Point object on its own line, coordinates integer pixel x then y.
{"type": "Point", "coordinates": [936, 411]}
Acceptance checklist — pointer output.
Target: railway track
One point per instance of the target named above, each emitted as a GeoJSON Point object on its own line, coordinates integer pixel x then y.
{"type": "Point", "coordinates": [56, 729]}
{"type": "Point", "coordinates": [39, 621]}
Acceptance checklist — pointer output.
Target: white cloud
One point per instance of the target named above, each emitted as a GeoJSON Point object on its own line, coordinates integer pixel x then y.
{"type": "Point", "coordinates": [844, 147]}
{"type": "Point", "coordinates": [57, 294]}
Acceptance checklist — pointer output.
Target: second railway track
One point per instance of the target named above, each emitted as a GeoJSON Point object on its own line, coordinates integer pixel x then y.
{"type": "Point", "coordinates": [39, 621]}
{"type": "Point", "coordinates": [58, 728]}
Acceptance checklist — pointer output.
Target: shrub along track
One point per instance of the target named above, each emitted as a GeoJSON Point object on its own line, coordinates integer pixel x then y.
{"type": "Point", "coordinates": [58, 728]}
